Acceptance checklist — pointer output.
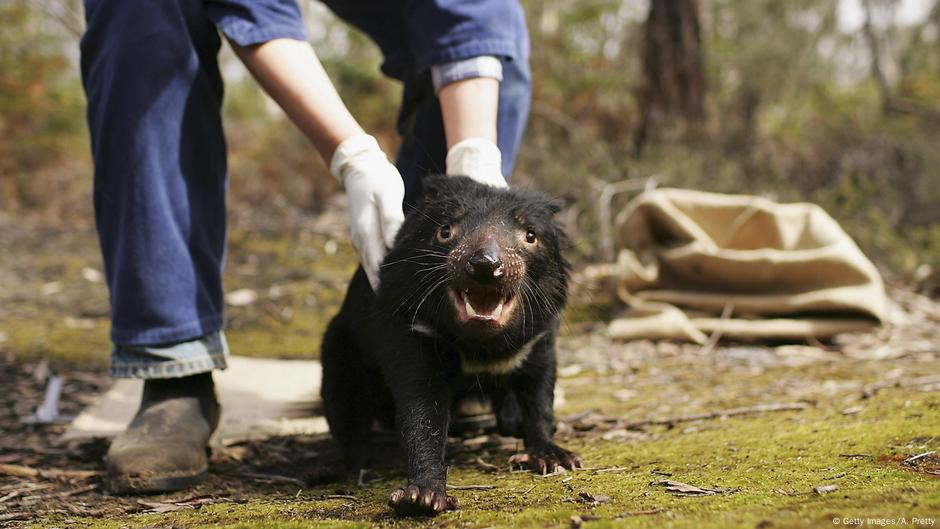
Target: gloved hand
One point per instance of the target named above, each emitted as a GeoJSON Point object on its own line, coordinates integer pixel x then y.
{"type": "Point", "coordinates": [374, 192]}
{"type": "Point", "coordinates": [477, 158]}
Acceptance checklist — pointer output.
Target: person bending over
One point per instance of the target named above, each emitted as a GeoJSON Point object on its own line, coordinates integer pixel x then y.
{"type": "Point", "coordinates": [151, 75]}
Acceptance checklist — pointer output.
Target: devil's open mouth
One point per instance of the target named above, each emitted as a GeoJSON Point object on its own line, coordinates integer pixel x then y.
{"type": "Point", "coordinates": [483, 304]}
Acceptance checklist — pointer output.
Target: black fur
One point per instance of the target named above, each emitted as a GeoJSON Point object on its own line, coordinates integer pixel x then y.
{"type": "Point", "coordinates": [477, 275]}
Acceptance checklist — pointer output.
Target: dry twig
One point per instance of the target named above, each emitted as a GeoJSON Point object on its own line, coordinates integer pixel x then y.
{"type": "Point", "coordinates": [912, 459]}
{"type": "Point", "coordinates": [22, 471]}
{"type": "Point", "coordinates": [709, 345]}
{"type": "Point", "coordinates": [720, 414]}
{"type": "Point", "coordinates": [471, 487]}
{"type": "Point", "coordinates": [611, 469]}
{"type": "Point", "coordinates": [274, 478]}
{"type": "Point", "coordinates": [341, 497]}
{"type": "Point", "coordinates": [638, 513]}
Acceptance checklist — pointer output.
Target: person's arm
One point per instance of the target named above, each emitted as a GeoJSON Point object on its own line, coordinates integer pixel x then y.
{"type": "Point", "coordinates": [469, 109]}
{"type": "Point", "coordinates": [291, 74]}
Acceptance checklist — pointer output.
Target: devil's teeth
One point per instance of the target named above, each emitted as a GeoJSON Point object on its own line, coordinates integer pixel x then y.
{"type": "Point", "coordinates": [468, 306]}
{"type": "Point", "coordinates": [471, 312]}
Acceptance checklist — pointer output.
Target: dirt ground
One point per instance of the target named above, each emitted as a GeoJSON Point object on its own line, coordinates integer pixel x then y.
{"type": "Point", "coordinates": [743, 435]}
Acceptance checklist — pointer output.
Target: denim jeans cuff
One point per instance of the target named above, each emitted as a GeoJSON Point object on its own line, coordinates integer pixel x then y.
{"type": "Point", "coordinates": [170, 360]}
{"type": "Point", "coordinates": [474, 67]}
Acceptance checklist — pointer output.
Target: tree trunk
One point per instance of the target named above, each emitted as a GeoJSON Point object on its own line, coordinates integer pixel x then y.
{"type": "Point", "coordinates": [673, 67]}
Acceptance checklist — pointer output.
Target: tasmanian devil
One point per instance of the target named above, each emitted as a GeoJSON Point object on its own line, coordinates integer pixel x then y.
{"type": "Point", "coordinates": [470, 298]}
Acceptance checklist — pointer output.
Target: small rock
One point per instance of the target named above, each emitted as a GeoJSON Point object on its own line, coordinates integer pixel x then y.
{"type": "Point", "coordinates": [577, 521]}
{"type": "Point", "coordinates": [668, 348]}
{"type": "Point", "coordinates": [622, 434]}
{"type": "Point", "coordinates": [623, 395]}
{"type": "Point", "coordinates": [241, 297]}
{"type": "Point", "coordinates": [593, 499]}
{"type": "Point", "coordinates": [852, 410]}
{"type": "Point", "coordinates": [51, 288]}
{"type": "Point", "coordinates": [923, 272]}
{"type": "Point", "coordinates": [41, 372]}
{"type": "Point", "coordinates": [825, 489]}
{"type": "Point", "coordinates": [569, 371]}
{"type": "Point", "coordinates": [79, 323]}
{"type": "Point", "coordinates": [91, 275]}
{"type": "Point", "coordinates": [330, 247]}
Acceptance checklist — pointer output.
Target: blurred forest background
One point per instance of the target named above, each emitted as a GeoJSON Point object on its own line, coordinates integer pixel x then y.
{"type": "Point", "coordinates": [832, 101]}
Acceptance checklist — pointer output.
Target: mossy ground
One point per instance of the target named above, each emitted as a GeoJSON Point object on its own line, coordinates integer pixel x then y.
{"type": "Point", "coordinates": [774, 459]}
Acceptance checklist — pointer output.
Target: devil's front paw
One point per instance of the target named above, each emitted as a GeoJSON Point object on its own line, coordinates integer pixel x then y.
{"type": "Point", "coordinates": [420, 501]}
{"type": "Point", "coordinates": [546, 459]}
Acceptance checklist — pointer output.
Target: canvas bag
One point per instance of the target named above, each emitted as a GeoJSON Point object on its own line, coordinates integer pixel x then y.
{"type": "Point", "coordinates": [694, 263]}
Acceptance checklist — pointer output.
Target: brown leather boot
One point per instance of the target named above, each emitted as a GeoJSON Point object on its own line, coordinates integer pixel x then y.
{"type": "Point", "coordinates": [165, 447]}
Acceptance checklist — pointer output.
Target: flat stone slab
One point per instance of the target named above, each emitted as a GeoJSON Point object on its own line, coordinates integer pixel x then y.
{"type": "Point", "coordinates": [260, 398]}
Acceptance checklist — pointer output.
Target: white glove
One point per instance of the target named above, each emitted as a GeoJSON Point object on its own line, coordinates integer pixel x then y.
{"type": "Point", "coordinates": [477, 158]}
{"type": "Point", "coordinates": [374, 192]}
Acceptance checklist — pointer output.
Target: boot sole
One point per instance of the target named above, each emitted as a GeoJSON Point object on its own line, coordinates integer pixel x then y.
{"type": "Point", "coordinates": [123, 485]}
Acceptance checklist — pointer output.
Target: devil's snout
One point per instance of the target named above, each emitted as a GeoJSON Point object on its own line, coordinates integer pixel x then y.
{"type": "Point", "coordinates": [485, 265]}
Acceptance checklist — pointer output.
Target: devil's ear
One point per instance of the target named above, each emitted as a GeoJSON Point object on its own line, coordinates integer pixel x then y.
{"type": "Point", "coordinates": [556, 205]}
{"type": "Point", "coordinates": [438, 186]}
{"type": "Point", "coordinates": [432, 188]}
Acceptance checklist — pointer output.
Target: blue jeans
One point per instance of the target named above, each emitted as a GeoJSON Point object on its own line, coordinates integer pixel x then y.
{"type": "Point", "coordinates": [150, 73]}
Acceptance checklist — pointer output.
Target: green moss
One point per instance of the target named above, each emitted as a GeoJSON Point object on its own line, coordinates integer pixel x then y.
{"type": "Point", "coordinates": [77, 342]}
{"type": "Point", "coordinates": [774, 459]}
{"type": "Point", "coordinates": [300, 285]}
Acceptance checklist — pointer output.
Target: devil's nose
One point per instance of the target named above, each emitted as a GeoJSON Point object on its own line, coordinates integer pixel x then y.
{"type": "Point", "coordinates": [485, 266]}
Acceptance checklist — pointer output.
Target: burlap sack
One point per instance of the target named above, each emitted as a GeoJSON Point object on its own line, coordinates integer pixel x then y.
{"type": "Point", "coordinates": [695, 263]}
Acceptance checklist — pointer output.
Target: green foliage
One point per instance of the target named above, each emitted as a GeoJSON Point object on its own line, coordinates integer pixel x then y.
{"type": "Point", "coordinates": [41, 110]}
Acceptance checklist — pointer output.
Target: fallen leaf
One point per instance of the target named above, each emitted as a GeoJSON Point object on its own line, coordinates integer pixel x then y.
{"type": "Point", "coordinates": [684, 489]}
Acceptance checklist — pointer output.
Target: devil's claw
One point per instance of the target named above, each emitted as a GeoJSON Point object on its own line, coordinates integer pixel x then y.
{"type": "Point", "coordinates": [547, 459]}
{"type": "Point", "coordinates": [420, 501]}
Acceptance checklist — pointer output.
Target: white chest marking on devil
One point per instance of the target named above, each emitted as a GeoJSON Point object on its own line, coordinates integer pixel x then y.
{"type": "Point", "coordinates": [501, 367]}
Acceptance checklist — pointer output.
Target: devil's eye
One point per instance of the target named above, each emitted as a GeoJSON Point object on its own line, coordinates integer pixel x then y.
{"type": "Point", "coordinates": [530, 237]}
{"type": "Point", "coordinates": [444, 233]}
